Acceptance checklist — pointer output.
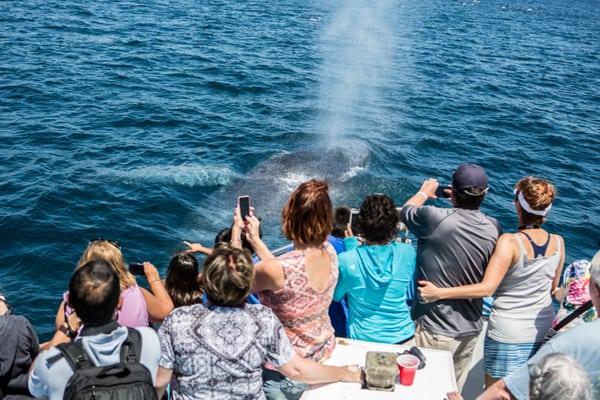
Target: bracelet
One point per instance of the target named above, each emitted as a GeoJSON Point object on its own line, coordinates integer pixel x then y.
{"type": "Point", "coordinates": [423, 194]}
{"type": "Point", "coordinates": [156, 280]}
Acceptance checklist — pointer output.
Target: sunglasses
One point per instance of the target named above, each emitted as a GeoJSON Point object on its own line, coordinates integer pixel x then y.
{"type": "Point", "coordinates": [113, 242]}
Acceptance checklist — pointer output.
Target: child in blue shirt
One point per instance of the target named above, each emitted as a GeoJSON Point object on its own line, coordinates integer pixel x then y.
{"type": "Point", "coordinates": [378, 278]}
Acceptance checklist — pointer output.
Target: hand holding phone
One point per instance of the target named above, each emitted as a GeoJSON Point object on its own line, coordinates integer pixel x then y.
{"type": "Point", "coordinates": [443, 192]}
{"type": "Point", "coordinates": [136, 269]}
{"type": "Point", "coordinates": [354, 220]}
{"type": "Point", "coordinates": [244, 203]}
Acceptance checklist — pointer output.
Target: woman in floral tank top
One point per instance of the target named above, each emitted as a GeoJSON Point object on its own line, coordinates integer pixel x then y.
{"type": "Point", "coordinates": [302, 309]}
{"type": "Point", "coordinates": [299, 285]}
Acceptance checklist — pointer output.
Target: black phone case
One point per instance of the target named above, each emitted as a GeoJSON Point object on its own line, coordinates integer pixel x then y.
{"type": "Point", "coordinates": [136, 269]}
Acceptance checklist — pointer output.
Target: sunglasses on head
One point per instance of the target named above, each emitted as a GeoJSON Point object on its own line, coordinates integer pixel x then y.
{"type": "Point", "coordinates": [113, 242]}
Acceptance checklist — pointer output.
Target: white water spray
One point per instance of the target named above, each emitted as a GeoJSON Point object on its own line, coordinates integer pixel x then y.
{"type": "Point", "coordinates": [357, 46]}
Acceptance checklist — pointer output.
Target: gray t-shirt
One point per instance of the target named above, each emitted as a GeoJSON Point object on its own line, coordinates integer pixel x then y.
{"type": "Point", "coordinates": [454, 247]}
{"type": "Point", "coordinates": [582, 343]}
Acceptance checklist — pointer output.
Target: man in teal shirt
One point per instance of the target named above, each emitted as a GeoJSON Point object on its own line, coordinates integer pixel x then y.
{"type": "Point", "coordinates": [378, 278]}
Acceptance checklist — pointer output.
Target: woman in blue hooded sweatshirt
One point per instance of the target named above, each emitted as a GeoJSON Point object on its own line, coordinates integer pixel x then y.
{"type": "Point", "coordinates": [377, 277]}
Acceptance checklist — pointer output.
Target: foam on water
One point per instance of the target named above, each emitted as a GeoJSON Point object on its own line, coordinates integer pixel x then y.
{"type": "Point", "coordinates": [354, 171]}
{"type": "Point", "coordinates": [183, 175]}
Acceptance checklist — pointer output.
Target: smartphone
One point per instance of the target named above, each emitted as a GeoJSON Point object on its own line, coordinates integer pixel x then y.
{"type": "Point", "coordinates": [443, 192]}
{"type": "Point", "coordinates": [244, 203]}
{"type": "Point", "coordinates": [136, 268]}
{"type": "Point", "coordinates": [354, 220]}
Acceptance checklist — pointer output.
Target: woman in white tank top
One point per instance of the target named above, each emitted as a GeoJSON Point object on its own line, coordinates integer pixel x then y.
{"type": "Point", "coordinates": [522, 274]}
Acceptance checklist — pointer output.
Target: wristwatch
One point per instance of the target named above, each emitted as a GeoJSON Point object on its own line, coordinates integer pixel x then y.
{"type": "Point", "coordinates": [66, 329]}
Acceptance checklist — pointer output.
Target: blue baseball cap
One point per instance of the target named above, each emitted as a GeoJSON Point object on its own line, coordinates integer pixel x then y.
{"type": "Point", "coordinates": [468, 176]}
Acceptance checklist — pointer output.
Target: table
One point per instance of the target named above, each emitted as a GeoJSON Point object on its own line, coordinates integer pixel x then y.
{"type": "Point", "coordinates": [431, 382]}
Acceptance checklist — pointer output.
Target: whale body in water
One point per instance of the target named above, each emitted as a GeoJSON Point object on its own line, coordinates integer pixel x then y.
{"type": "Point", "coordinates": [271, 182]}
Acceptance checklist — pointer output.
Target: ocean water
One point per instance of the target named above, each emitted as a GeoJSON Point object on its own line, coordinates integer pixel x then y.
{"type": "Point", "coordinates": [142, 121]}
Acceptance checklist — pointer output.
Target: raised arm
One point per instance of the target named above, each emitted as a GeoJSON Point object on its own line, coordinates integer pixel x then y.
{"type": "Point", "coordinates": [503, 257]}
{"type": "Point", "coordinates": [426, 192]}
{"type": "Point", "coordinates": [158, 301]}
{"type": "Point", "coordinates": [198, 248]}
{"type": "Point", "coordinates": [60, 316]}
{"type": "Point", "coordinates": [253, 235]}
{"type": "Point", "coordinates": [236, 228]}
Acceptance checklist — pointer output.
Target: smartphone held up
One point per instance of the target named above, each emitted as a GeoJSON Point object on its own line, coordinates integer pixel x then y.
{"type": "Point", "coordinates": [244, 204]}
{"type": "Point", "coordinates": [136, 268]}
{"type": "Point", "coordinates": [354, 220]}
{"type": "Point", "coordinates": [443, 192]}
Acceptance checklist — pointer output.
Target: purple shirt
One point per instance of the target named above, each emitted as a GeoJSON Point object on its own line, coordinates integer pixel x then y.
{"type": "Point", "coordinates": [133, 312]}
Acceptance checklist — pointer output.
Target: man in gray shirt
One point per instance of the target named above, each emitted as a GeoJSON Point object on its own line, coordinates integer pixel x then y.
{"type": "Point", "coordinates": [454, 247]}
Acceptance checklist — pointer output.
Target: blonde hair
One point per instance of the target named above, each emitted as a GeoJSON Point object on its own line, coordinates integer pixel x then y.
{"type": "Point", "coordinates": [539, 194]}
{"type": "Point", "coordinates": [106, 251]}
{"type": "Point", "coordinates": [228, 276]}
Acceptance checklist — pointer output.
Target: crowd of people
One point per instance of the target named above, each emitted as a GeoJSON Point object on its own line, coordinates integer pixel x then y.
{"type": "Point", "coordinates": [248, 324]}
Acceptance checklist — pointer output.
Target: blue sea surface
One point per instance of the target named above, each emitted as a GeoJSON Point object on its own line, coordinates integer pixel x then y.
{"type": "Point", "coordinates": [143, 121]}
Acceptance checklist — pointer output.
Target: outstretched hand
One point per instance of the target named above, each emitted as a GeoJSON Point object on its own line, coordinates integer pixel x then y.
{"type": "Point", "coordinates": [428, 292]}
{"type": "Point", "coordinates": [193, 247]}
{"type": "Point", "coordinates": [352, 373]}
{"type": "Point", "coordinates": [429, 187]}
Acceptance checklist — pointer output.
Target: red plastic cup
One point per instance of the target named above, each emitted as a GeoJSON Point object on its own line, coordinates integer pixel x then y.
{"type": "Point", "coordinates": [407, 368]}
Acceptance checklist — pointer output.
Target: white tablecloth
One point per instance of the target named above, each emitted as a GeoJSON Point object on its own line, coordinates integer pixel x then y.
{"type": "Point", "coordinates": [431, 382]}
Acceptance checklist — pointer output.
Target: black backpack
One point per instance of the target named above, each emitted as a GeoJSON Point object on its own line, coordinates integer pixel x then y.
{"type": "Point", "coordinates": [126, 380]}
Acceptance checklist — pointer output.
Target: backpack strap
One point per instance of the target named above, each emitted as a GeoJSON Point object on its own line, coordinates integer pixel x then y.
{"type": "Point", "coordinates": [579, 311]}
{"type": "Point", "coordinates": [75, 355]}
{"type": "Point", "coordinates": [131, 349]}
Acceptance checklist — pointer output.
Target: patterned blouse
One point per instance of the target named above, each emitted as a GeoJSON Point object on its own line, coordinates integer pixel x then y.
{"type": "Point", "coordinates": [217, 352]}
{"type": "Point", "coordinates": [301, 309]}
